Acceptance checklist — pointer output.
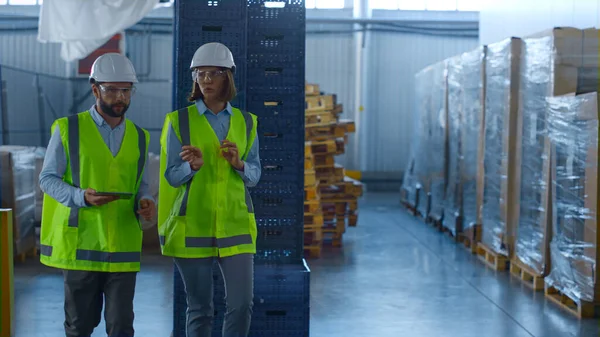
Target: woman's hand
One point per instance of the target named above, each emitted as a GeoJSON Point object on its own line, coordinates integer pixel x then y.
{"type": "Point", "coordinates": [231, 153]}
{"type": "Point", "coordinates": [147, 209]}
{"type": "Point", "coordinates": [193, 156]}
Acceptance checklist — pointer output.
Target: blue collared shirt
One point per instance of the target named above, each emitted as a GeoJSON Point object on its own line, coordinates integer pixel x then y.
{"type": "Point", "coordinates": [179, 172]}
{"type": "Point", "coordinates": [55, 165]}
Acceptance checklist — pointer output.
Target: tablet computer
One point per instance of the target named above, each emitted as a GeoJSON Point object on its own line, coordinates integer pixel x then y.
{"type": "Point", "coordinates": [121, 195]}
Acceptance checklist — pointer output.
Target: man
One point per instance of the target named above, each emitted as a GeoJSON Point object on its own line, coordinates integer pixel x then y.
{"type": "Point", "coordinates": [88, 230]}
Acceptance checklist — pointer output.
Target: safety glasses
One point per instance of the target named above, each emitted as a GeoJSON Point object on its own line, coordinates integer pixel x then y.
{"type": "Point", "coordinates": [112, 91]}
{"type": "Point", "coordinates": [198, 75]}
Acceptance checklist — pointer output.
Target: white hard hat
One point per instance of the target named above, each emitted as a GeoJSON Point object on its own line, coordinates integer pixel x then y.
{"type": "Point", "coordinates": [213, 54]}
{"type": "Point", "coordinates": [113, 67]}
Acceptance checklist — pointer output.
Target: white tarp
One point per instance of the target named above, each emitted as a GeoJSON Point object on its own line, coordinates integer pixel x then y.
{"type": "Point", "coordinates": [83, 26]}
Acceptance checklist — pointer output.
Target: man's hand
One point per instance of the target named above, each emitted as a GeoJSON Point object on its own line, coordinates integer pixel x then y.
{"type": "Point", "coordinates": [147, 209]}
{"type": "Point", "coordinates": [232, 155]}
{"type": "Point", "coordinates": [193, 156]}
{"type": "Point", "coordinates": [97, 200]}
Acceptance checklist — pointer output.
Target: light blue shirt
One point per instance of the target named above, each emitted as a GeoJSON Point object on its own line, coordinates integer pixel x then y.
{"type": "Point", "coordinates": [179, 172]}
{"type": "Point", "coordinates": [55, 165]}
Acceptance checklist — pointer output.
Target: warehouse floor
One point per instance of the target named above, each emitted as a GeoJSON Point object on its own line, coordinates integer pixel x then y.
{"type": "Point", "coordinates": [394, 277]}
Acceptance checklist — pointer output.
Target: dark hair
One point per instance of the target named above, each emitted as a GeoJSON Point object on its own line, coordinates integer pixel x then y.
{"type": "Point", "coordinates": [228, 94]}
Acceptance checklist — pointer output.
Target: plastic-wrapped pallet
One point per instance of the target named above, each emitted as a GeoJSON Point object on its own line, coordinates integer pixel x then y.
{"type": "Point", "coordinates": [415, 176]}
{"type": "Point", "coordinates": [549, 67]}
{"type": "Point", "coordinates": [573, 132]}
{"type": "Point", "coordinates": [408, 189]}
{"type": "Point", "coordinates": [436, 150]}
{"type": "Point", "coordinates": [501, 112]}
{"type": "Point", "coordinates": [17, 166]}
{"type": "Point", "coordinates": [453, 202]}
{"type": "Point", "coordinates": [473, 66]}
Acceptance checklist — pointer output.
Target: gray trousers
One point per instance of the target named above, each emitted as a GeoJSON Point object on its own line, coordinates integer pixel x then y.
{"type": "Point", "coordinates": [85, 294]}
{"type": "Point", "coordinates": [197, 275]}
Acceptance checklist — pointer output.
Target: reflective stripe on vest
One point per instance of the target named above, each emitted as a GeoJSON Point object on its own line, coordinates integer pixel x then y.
{"type": "Point", "coordinates": [195, 242]}
{"type": "Point", "coordinates": [98, 256]}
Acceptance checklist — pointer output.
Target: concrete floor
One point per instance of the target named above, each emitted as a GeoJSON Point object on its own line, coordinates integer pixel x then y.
{"type": "Point", "coordinates": [394, 277]}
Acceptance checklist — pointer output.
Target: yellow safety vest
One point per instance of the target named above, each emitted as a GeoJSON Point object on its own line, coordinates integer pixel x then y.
{"type": "Point", "coordinates": [107, 238]}
{"type": "Point", "coordinates": [212, 214]}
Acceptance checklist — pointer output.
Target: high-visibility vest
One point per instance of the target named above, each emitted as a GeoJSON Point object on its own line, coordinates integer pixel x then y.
{"type": "Point", "coordinates": [212, 214]}
{"type": "Point", "coordinates": [105, 238]}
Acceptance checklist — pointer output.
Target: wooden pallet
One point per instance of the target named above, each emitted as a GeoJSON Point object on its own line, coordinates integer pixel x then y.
{"type": "Point", "coordinates": [333, 232]}
{"type": "Point", "coordinates": [527, 276]}
{"type": "Point", "coordinates": [308, 150]}
{"type": "Point", "coordinates": [348, 125]}
{"type": "Point", "coordinates": [346, 189]}
{"type": "Point", "coordinates": [312, 192]}
{"type": "Point", "coordinates": [321, 131]}
{"type": "Point", "coordinates": [340, 144]}
{"type": "Point", "coordinates": [411, 208]}
{"type": "Point", "coordinates": [312, 206]}
{"type": "Point", "coordinates": [331, 176]}
{"type": "Point", "coordinates": [309, 163]}
{"type": "Point", "coordinates": [323, 147]}
{"type": "Point", "coordinates": [334, 206]}
{"type": "Point", "coordinates": [310, 178]}
{"type": "Point", "coordinates": [470, 238]}
{"type": "Point", "coordinates": [353, 218]}
{"type": "Point", "coordinates": [320, 102]}
{"type": "Point", "coordinates": [469, 244]}
{"type": "Point", "coordinates": [315, 119]}
{"type": "Point", "coordinates": [314, 250]}
{"type": "Point", "coordinates": [311, 89]}
{"type": "Point", "coordinates": [313, 219]}
{"type": "Point", "coordinates": [313, 232]}
{"type": "Point", "coordinates": [326, 160]}
{"type": "Point", "coordinates": [492, 259]}
{"type": "Point", "coordinates": [581, 309]}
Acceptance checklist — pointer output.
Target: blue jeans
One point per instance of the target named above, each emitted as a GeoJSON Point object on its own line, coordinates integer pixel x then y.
{"type": "Point", "coordinates": [197, 275]}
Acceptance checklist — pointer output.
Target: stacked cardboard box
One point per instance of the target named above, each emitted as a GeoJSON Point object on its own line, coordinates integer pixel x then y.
{"type": "Point", "coordinates": [424, 184]}
{"type": "Point", "coordinates": [415, 184]}
{"type": "Point", "coordinates": [549, 67]}
{"type": "Point", "coordinates": [327, 136]}
{"type": "Point", "coordinates": [465, 115]}
{"type": "Point", "coordinates": [452, 205]}
{"type": "Point", "coordinates": [573, 281]}
{"type": "Point", "coordinates": [500, 186]}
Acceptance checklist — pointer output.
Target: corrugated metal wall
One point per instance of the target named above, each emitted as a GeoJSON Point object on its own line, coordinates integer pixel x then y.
{"type": "Point", "coordinates": [330, 62]}
{"type": "Point", "coordinates": [21, 50]}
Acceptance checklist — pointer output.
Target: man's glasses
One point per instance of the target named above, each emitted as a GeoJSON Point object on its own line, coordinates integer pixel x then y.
{"type": "Point", "coordinates": [116, 91]}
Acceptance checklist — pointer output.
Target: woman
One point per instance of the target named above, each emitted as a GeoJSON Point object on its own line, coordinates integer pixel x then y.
{"type": "Point", "coordinates": [209, 157]}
